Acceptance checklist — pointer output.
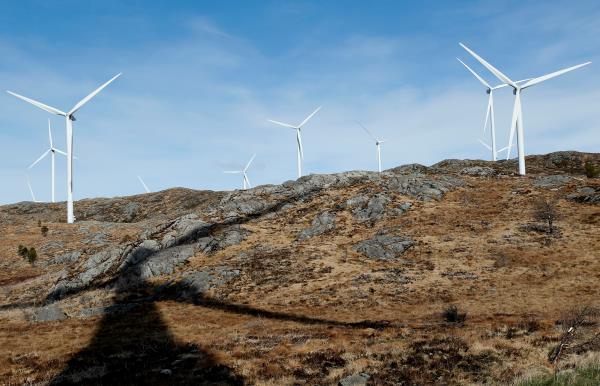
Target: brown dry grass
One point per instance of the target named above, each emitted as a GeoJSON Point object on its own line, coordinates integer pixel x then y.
{"type": "Point", "coordinates": [471, 251]}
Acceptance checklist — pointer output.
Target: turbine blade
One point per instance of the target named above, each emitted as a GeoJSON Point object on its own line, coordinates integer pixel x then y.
{"type": "Point", "coordinates": [523, 80]}
{"type": "Point", "coordinates": [92, 94]}
{"type": "Point", "coordinates": [487, 114]}
{"type": "Point", "coordinates": [143, 184]}
{"type": "Point", "coordinates": [30, 189]}
{"type": "Point", "coordinates": [513, 127]}
{"type": "Point", "coordinates": [552, 75]}
{"type": "Point", "coordinates": [282, 124]}
{"type": "Point", "coordinates": [247, 180]}
{"type": "Point", "coordinates": [486, 84]}
{"type": "Point", "coordinates": [39, 159]}
{"type": "Point", "coordinates": [501, 150]}
{"type": "Point", "coordinates": [493, 70]}
{"type": "Point", "coordinates": [232, 171]}
{"type": "Point", "coordinates": [42, 106]}
{"type": "Point", "coordinates": [367, 131]}
{"type": "Point", "coordinates": [309, 117]}
{"type": "Point", "coordinates": [50, 134]}
{"type": "Point", "coordinates": [299, 140]}
{"type": "Point", "coordinates": [485, 144]}
{"type": "Point", "coordinates": [501, 86]}
{"type": "Point", "coordinates": [63, 153]}
{"type": "Point", "coordinates": [249, 162]}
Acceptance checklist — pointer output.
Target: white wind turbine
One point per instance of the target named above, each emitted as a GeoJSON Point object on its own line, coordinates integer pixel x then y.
{"type": "Point", "coordinates": [517, 117]}
{"type": "Point", "coordinates": [489, 114]}
{"type": "Point", "coordinates": [377, 144]}
{"type": "Point", "coordinates": [298, 137]}
{"type": "Point", "coordinates": [52, 151]}
{"type": "Point", "coordinates": [143, 184]}
{"type": "Point", "coordinates": [243, 172]}
{"type": "Point", "coordinates": [69, 118]}
{"type": "Point", "coordinates": [30, 189]}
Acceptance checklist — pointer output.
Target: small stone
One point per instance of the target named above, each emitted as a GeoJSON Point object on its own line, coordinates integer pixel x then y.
{"type": "Point", "coordinates": [479, 171]}
{"type": "Point", "coordinates": [550, 182]}
{"type": "Point", "coordinates": [359, 379]}
{"type": "Point", "coordinates": [48, 314]}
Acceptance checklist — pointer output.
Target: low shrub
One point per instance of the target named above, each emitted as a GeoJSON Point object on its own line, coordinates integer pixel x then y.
{"type": "Point", "coordinates": [22, 251]}
{"type": "Point", "coordinates": [591, 170]}
{"type": "Point", "coordinates": [452, 315]}
{"type": "Point", "coordinates": [31, 255]}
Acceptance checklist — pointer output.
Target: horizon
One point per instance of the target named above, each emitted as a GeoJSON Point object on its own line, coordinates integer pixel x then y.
{"type": "Point", "coordinates": [200, 81]}
{"type": "Point", "coordinates": [292, 179]}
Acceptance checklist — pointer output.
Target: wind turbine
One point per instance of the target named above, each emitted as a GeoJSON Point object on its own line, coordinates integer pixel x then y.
{"type": "Point", "coordinates": [489, 114]}
{"type": "Point", "coordinates": [52, 151]}
{"type": "Point", "coordinates": [517, 117]}
{"type": "Point", "coordinates": [243, 172]}
{"type": "Point", "coordinates": [30, 189]}
{"type": "Point", "coordinates": [377, 144]}
{"type": "Point", "coordinates": [298, 137]}
{"type": "Point", "coordinates": [69, 118]}
{"type": "Point", "coordinates": [143, 184]}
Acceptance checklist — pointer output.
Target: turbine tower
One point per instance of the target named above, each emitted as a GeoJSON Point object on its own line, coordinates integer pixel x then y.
{"type": "Point", "coordinates": [298, 137]}
{"type": "Point", "coordinates": [246, 184]}
{"type": "Point", "coordinates": [517, 116]}
{"type": "Point", "coordinates": [377, 144]}
{"type": "Point", "coordinates": [69, 118]}
{"type": "Point", "coordinates": [143, 184]}
{"type": "Point", "coordinates": [52, 151]}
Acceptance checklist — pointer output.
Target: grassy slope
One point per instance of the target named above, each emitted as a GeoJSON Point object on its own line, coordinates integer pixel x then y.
{"type": "Point", "coordinates": [470, 252]}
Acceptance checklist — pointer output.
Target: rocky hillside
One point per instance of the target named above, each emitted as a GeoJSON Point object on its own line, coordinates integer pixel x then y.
{"type": "Point", "coordinates": [418, 275]}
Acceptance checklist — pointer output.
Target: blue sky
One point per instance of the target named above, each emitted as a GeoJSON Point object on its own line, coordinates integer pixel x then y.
{"type": "Point", "coordinates": [200, 79]}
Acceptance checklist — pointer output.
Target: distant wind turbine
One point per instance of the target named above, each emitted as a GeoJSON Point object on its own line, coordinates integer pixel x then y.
{"type": "Point", "coordinates": [143, 184]}
{"type": "Point", "coordinates": [69, 118]}
{"type": "Point", "coordinates": [30, 189]}
{"type": "Point", "coordinates": [298, 137]}
{"type": "Point", "coordinates": [517, 117]}
{"type": "Point", "coordinates": [243, 172]}
{"type": "Point", "coordinates": [377, 144]}
{"type": "Point", "coordinates": [52, 151]}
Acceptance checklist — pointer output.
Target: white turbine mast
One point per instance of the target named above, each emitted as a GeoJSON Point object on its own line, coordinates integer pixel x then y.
{"type": "Point", "coordinates": [246, 180]}
{"type": "Point", "coordinates": [298, 129]}
{"type": "Point", "coordinates": [517, 117]}
{"type": "Point", "coordinates": [30, 188]}
{"type": "Point", "coordinates": [52, 151]}
{"type": "Point", "coordinates": [143, 184]}
{"type": "Point", "coordinates": [377, 144]}
{"type": "Point", "coordinates": [69, 118]}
